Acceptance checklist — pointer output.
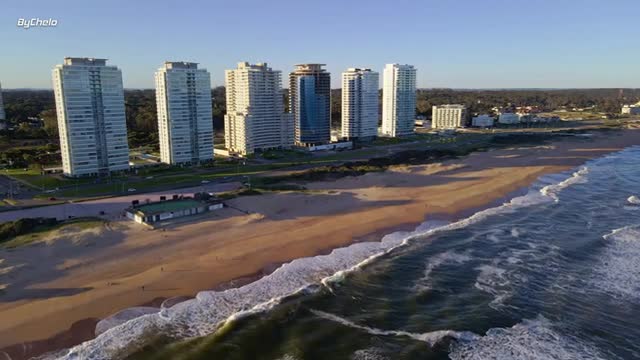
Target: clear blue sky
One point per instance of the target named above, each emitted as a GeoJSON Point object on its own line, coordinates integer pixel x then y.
{"type": "Point", "coordinates": [457, 43]}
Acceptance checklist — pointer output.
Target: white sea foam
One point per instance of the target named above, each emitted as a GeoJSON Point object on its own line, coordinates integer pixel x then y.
{"type": "Point", "coordinates": [288, 357]}
{"type": "Point", "coordinates": [431, 338]}
{"type": "Point", "coordinates": [370, 354]}
{"type": "Point", "coordinates": [123, 316]}
{"type": "Point", "coordinates": [577, 177]}
{"type": "Point", "coordinates": [493, 280]}
{"type": "Point", "coordinates": [445, 258]}
{"type": "Point", "coordinates": [633, 200]}
{"type": "Point", "coordinates": [530, 339]}
{"type": "Point", "coordinates": [204, 314]}
{"type": "Point", "coordinates": [618, 271]}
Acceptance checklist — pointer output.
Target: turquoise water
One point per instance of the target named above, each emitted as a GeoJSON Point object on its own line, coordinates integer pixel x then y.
{"type": "Point", "coordinates": [554, 274]}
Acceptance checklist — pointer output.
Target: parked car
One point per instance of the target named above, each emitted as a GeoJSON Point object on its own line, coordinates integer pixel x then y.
{"type": "Point", "coordinates": [52, 199]}
{"type": "Point", "coordinates": [131, 190]}
{"type": "Point", "coordinates": [204, 181]}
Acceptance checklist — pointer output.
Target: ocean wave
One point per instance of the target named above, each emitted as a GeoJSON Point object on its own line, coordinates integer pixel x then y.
{"type": "Point", "coordinates": [205, 313]}
{"type": "Point", "coordinates": [370, 354]}
{"type": "Point", "coordinates": [493, 280]}
{"type": "Point", "coordinates": [123, 316]}
{"type": "Point", "coordinates": [618, 270]}
{"type": "Point", "coordinates": [445, 258]}
{"type": "Point", "coordinates": [530, 339]}
{"type": "Point", "coordinates": [633, 200]}
{"type": "Point", "coordinates": [578, 177]}
{"type": "Point", "coordinates": [431, 338]}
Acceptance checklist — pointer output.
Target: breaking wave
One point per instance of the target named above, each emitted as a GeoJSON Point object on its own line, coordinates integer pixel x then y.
{"type": "Point", "coordinates": [618, 270]}
{"type": "Point", "coordinates": [431, 338]}
{"type": "Point", "coordinates": [530, 339]}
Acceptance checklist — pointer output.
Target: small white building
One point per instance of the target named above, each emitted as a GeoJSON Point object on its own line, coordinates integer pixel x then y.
{"type": "Point", "coordinates": [508, 118]}
{"type": "Point", "coordinates": [149, 213]}
{"type": "Point", "coordinates": [631, 109]}
{"type": "Point", "coordinates": [482, 121]}
{"type": "Point", "coordinates": [342, 145]}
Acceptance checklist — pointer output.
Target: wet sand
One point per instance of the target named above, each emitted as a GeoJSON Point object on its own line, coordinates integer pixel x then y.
{"type": "Point", "coordinates": [82, 277]}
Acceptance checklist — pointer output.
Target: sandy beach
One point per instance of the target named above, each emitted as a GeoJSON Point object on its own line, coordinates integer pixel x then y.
{"type": "Point", "coordinates": [75, 278]}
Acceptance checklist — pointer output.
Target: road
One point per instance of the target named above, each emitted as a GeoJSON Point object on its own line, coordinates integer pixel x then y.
{"type": "Point", "coordinates": [113, 207]}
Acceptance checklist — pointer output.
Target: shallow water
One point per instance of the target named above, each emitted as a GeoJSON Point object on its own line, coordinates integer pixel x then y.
{"type": "Point", "coordinates": [554, 274]}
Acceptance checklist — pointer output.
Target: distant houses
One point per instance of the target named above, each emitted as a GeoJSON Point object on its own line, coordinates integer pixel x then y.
{"type": "Point", "coordinates": [631, 109]}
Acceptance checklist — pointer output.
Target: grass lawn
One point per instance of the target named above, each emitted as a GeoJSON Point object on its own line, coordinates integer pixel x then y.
{"type": "Point", "coordinates": [42, 232]}
{"type": "Point", "coordinates": [46, 182]}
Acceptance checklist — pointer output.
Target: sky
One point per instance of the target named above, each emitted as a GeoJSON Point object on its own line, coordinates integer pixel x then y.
{"type": "Point", "coordinates": [453, 44]}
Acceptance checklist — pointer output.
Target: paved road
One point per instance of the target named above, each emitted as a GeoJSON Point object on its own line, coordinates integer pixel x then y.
{"type": "Point", "coordinates": [113, 207]}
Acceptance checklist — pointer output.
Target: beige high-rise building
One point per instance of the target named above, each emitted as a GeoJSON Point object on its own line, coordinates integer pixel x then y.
{"type": "Point", "coordinates": [398, 100]}
{"type": "Point", "coordinates": [185, 124]}
{"type": "Point", "coordinates": [255, 118]}
{"type": "Point", "coordinates": [359, 104]}
{"type": "Point", "coordinates": [449, 116]}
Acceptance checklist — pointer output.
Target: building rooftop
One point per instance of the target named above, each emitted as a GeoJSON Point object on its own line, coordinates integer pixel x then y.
{"type": "Point", "coordinates": [84, 61]}
{"type": "Point", "coordinates": [309, 67]}
{"type": "Point", "coordinates": [256, 66]}
{"type": "Point", "coordinates": [450, 106]}
{"type": "Point", "coordinates": [167, 206]}
{"type": "Point", "coordinates": [358, 70]}
{"type": "Point", "coordinates": [180, 65]}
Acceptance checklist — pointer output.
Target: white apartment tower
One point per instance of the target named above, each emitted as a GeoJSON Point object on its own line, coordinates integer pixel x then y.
{"type": "Point", "coordinates": [359, 104]}
{"type": "Point", "coordinates": [185, 124]}
{"type": "Point", "coordinates": [398, 100]}
{"type": "Point", "coordinates": [449, 116]}
{"type": "Point", "coordinates": [3, 117]}
{"type": "Point", "coordinates": [91, 117]}
{"type": "Point", "coordinates": [255, 118]}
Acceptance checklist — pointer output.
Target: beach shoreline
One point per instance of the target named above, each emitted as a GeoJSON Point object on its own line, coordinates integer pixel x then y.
{"type": "Point", "coordinates": [247, 247]}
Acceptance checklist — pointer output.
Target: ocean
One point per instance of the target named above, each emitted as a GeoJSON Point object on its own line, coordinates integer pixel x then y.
{"type": "Point", "coordinates": [552, 274]}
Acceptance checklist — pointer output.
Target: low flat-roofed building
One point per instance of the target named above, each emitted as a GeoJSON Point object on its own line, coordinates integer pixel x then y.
{"type": "Point", "coordinates": [153, 212]}
{"type": "Point", "coordinates": [509, 118]}
{"type": "Point", "coordinates": [482, 121]}
{"type": "Point", "coordinates": [449, 116]}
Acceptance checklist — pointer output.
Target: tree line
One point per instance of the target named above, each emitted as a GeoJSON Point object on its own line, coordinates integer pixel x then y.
{"type": "Point", "coordinates": [141, 114]}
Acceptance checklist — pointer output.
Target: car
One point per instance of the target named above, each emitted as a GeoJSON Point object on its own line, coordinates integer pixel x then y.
{"type": "Point", "coordinates": [52, 199]}
{"type": "Point", "coordinates": [149, 177]}
{"type": "Point", "coordinates": [131, 190]}
{"type": "Point", "coordinates": [204, 182]}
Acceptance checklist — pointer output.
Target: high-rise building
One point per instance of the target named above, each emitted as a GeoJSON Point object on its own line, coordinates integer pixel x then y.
{"type": "Point", "coordinates": [359, 104]}
{"type": "Point", "coordinates": [91, 117]}
{"type": "Point", "coordinates": [398, 100]}
{"type": "Point", "coordinates": [448, 116]}
{"type": "Point", "coordinates": [310, 104]}
{"type": "Point", "coordinates": [185, 124]}
{"type": "Point", "coordinates": [3, 117]}
{"type": "Point", "coordinates": [255, 118]}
